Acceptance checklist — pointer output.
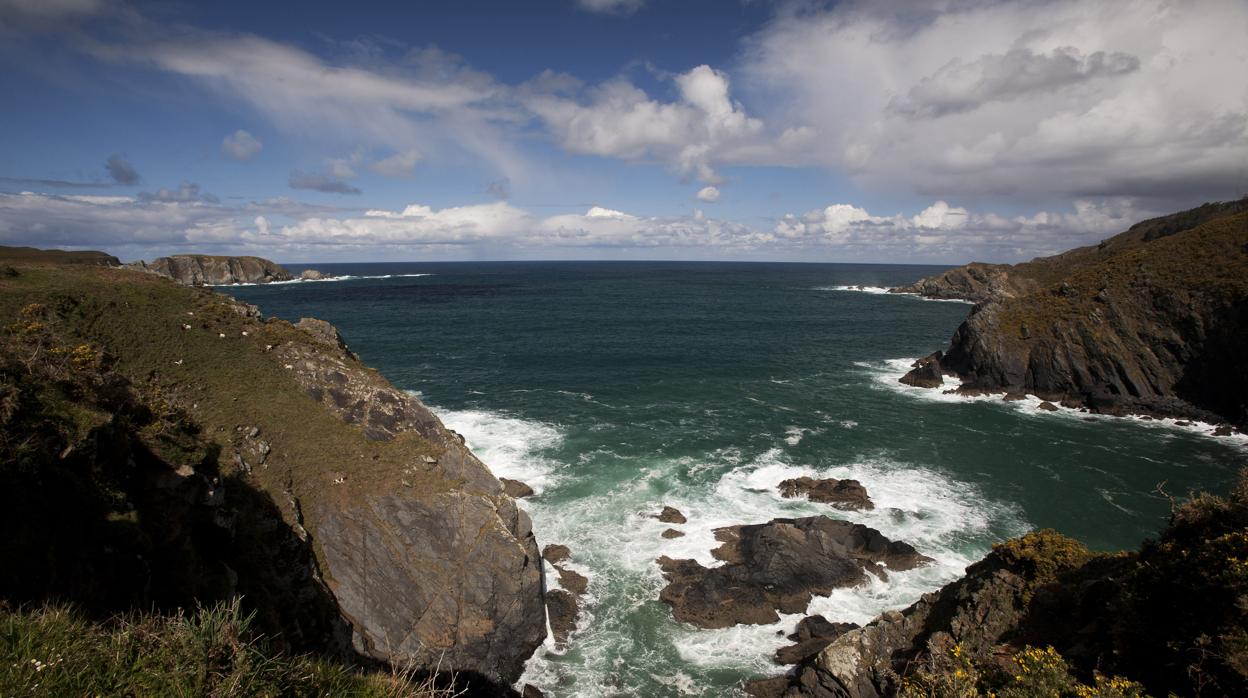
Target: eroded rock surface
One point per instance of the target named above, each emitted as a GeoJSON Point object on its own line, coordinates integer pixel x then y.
{"type": "Point", "coordinates": [208, 270]}
{"type": "Point", "coordinates": [515, 489]}
{"type": "Point", "coordinates": [778, 566]}
{"type": "Point", "coordinates": [842, 494]}
{"type": "Point", "coordinates": [671, 515]}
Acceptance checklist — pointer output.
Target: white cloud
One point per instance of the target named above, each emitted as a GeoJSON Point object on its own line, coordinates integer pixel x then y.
{"type": "Point", "coordinates": [1020, 101]}
{"type": "Point", "coordinates": [708, 194]}
{"type": "Point", "coordinates": [285, 229]}
{"type": "Point", "coordinates": [705, 128]}
{"type": "Point", "coordinates": [241, 146]}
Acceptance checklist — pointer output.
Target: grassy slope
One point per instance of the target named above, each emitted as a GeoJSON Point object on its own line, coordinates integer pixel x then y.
{"type": "Point", "coordinates": [223, 383]}
{"type": "Point", "coordinates": [53, 651]}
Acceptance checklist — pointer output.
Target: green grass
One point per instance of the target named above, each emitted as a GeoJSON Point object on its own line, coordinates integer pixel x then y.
{"type": "Point", "coordinates": [53, 651]}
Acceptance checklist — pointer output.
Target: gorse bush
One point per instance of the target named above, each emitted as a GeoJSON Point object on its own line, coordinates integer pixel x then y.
{"type": "Point", "coordinates": [52, 651]}
{"type": "Point", "coordinates": [1032, 672]}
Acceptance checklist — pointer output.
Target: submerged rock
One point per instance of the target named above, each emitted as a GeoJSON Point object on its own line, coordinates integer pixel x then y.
{"type": "Point", "coordinates": [778, 566]}
{"type": "Point", "coordinates": [842, 494]}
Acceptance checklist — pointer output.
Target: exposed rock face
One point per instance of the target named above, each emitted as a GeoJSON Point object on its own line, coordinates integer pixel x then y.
{"type": "Point", "coordinates": [515, 489]}
{"type": "Point", "coordinates": [314, 275]}
{"type": "Point", "coordinates": [564, 605]}
{"type": "Point", "coordinates": [842, 494]}
{"type": "Point", "coordinates": [926, 372]}
{"type": "Point", "coordinates": [975, 282]}
{"type": "Point", "coordinates": [671, 515]}
{"type": "Point", "coordinates": [423, 577]}
{"type": "Point", "coordinates": [778, 566]}
{"type": "Point", "coordinates": [978, 610]}
{"type": "Point", "coordinates": [813, 633]}
{"type": "Point", "coordinates": [1150, 321]}
{"type": "Point", "coordinates": [207, 270]}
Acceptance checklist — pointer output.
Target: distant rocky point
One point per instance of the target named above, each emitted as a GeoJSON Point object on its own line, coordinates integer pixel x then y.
{"type": "Point", "coordinates": [211, 270]}
{"type": "Point", "coordinates": [1151, 321]}
{"type": "Point", "coordinates": [314, 275]}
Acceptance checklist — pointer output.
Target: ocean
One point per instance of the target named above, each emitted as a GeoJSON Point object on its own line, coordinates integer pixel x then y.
{"type": "Point", "coordinates": [615, 388]}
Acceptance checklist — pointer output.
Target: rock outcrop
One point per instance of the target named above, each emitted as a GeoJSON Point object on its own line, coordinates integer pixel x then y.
{"type": "Point", "coordinates": [1170, 616]}
{"type": "Point", "coordinates": [926, 372]}
{"type": "Point", "coordinates": [209, 270]}
{"type": "Point", "coordinates": [262, 459]}
{"type": "Point", "coordinates": [778, 566]}
{"type": "Point", "coordinates": [1149, 321]}
{"type": "Point", "coordinates": [314, 275]}
{"type": "Point", "coordinates": [842, 494]}
{"type": "Point", "coordinates": [976, 282]}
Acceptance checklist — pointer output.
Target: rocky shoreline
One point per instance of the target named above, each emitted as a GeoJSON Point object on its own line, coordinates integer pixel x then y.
{"type": "Point", "coordinates": [1147, 322]}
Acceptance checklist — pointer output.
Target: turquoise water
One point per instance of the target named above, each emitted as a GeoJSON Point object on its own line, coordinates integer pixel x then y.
{"type": "Point", "coordinates": [616, 388]}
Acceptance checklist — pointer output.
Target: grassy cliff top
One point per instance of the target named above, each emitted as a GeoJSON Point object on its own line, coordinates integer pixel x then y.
{"type": "Point", "coordinates": [215, 360]}
{"type": "Point", "coordinates": [31, 255]}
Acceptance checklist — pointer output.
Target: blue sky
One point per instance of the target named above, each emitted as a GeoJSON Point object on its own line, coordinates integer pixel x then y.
{"type": "Point", "coordinates": [606, 129]}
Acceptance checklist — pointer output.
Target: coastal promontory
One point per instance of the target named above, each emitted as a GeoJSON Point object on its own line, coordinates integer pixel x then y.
{"type": "Point", "coordinates": [1150, 321]}
{"type": "Point", "coordinates": [212, 270]}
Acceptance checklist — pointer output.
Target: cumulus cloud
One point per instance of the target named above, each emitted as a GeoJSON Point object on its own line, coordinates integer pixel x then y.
{"type": "Point", "coordinates": [161, 223]}
{"type": "Point", "coordinates": [701, 130]}
{"type": "Point", "coordinates": [241, 146]}
{"type": "Point", "coordinates": [316, 181]}
{"type": "Point", "coordinates": [121, 171]}
{"type": "Point", "coordinates": [1020, 101]}
{"type": "Point", "coordinates": [708, 194]}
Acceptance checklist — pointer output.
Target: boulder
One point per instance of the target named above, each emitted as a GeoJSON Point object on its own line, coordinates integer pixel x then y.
{"type": "Point", "coordinates": [515, 489]}
{"type": "Point", "coordinates": [671, 515]}
{"type": "Point", "coordinates": [670, 533]}
{"type": "Point", "coordinates": [926, 372]}
{"type": "Point", "coordinates": [778, 566]}
{"type": "Point", "coordinates": [842, 494]}
{"type": "Point", "coordinates": [314, 275]}
{"type": "Point", "coordinates": [554, 553]}
{"type": "Point", "coordinates": [1047, 406]}
{"type": "Point", "coordinates": [813, 633]}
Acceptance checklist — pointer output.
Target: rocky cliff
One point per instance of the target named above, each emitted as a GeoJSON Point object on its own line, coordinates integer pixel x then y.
{"type": "Point", "coordinates": [1041, 615]}
{"type": "Point", "coordinates": [164, 446]}
{"type": "Point", "coordinates": [1149, 321]}
{"type": "Point", "coordinates": [208, 270]}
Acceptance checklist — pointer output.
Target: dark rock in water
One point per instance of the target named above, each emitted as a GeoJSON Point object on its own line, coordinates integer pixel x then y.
{"type": "Point", "coordinates": [208, 270]}
{"type": "Point", "coordinates": [572, 580]}
{"type": "Point", "coordinates": [671, 515]}
{"type": "Point", "coordinates": [672, 533]}
{"type": "Point", "coordinates": [818, 626]}
{"type": "Point", "coordinates": [562, 609]}
{"type": "Point", "coordinates": [842, 494]}
{"type": "Point", "coordinates": [778, 566]}
{"type": "Point", "coordinates": [1014, 397]}
{"type": "Point", "coordinates": [926, 373]}
{"type": "Point", "coordinates": [554, 553]}
{"type": "Point", "coordinates": [1047, 406]}
{"type": "Point", "coordinates": [813, 633]}
{"type": "Point", "coordinates": [768, 688]}
{"type": "Point", "coordinates": [1223, 430]}
{"type": "Point", "coordinates": [314, 275]}
{"type": "Point", "coordinates": [531, 691]}
{"type": "Point", "coordinates": [515, 489]}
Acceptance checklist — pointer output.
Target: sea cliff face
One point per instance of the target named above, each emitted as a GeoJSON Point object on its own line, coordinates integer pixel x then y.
{"type": "Point", "coordinates": [176, 447]}
{"type": "Point", "coordinates": [1150, 321]}
{"type": "Point", "coordinates": [207, 270]}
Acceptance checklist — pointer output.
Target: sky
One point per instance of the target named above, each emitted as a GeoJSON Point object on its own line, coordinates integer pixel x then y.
{"type": "Point", "coordinates": [915, 131]}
